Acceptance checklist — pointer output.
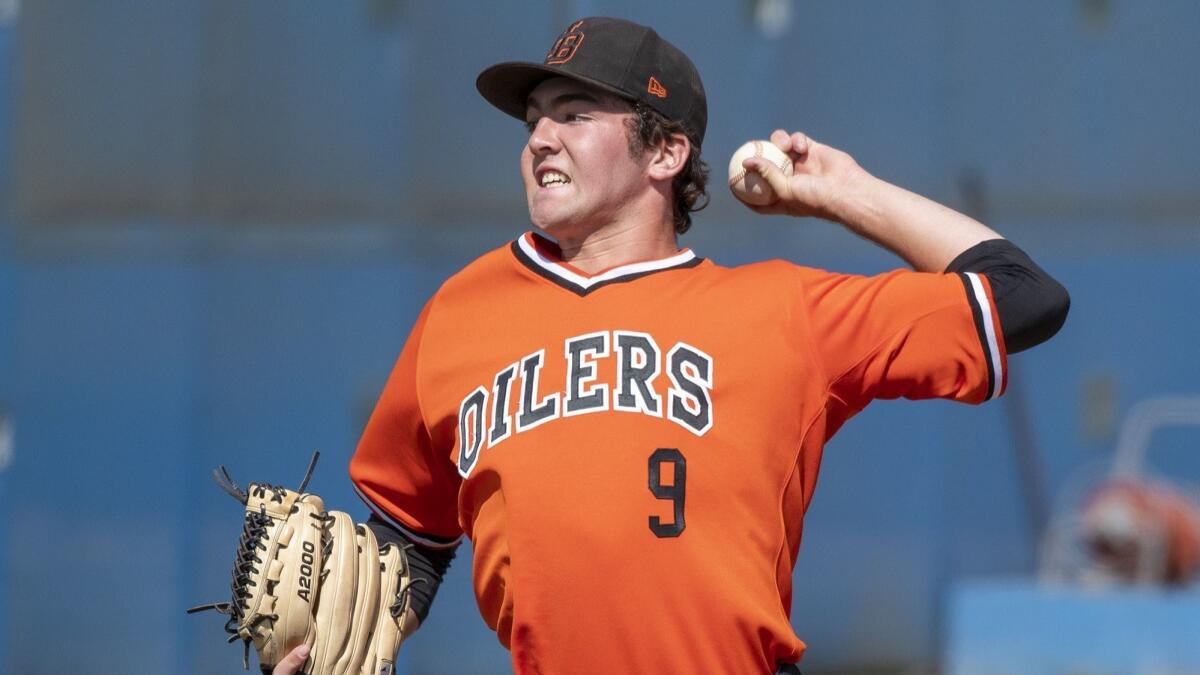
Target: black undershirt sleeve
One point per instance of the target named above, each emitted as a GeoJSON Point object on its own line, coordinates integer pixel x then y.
{"type": "Point", "coordinates": [429, 564]}
{"type": "Point", "coordinates": [1032, 305]}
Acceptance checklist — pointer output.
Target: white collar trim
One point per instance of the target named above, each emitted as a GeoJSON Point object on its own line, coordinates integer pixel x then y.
{"type": "Point", "coordinates": [561, 271]}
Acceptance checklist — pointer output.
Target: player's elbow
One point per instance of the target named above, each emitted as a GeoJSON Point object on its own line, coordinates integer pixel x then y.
{"type": "Point", "coordinates": [1056, 314]}
{"type": "Point", "coordinates": [1044, 311]}
{"type": "Point", "coordinates": [1032, 304]}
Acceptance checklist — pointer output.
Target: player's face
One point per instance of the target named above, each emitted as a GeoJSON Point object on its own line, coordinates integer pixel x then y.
{"type": "Point", "coordinates": [579, 174]}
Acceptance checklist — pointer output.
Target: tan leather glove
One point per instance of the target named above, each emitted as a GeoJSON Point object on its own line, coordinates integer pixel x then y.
{"type": "Point", "coordinates": [302, 575]}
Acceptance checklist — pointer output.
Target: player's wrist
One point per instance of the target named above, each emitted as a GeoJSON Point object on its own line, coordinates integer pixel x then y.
{"type": "Point", "coordinates": [855, 201]}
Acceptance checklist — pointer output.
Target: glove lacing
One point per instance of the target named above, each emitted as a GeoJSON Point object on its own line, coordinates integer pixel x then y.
{"type": "Point", "coordinates": [246, 562]}
{"type": "Point", "coordinates": [404, 593]}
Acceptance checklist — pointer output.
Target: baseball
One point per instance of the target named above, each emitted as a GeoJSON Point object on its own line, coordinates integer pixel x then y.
{"type": "Point", "coordinates": [749, 186]}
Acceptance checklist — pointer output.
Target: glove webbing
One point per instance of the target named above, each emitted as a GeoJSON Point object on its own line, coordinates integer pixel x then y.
{"type": "Point", "coordinates": [244, 566]}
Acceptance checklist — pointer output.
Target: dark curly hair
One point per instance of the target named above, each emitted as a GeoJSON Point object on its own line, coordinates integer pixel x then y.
{"type": "Point", "coordinates": [648, 128]}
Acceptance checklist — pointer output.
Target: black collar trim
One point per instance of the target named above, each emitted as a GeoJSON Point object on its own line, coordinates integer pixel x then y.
{"type": "Point", "coordinates": [525, 251]}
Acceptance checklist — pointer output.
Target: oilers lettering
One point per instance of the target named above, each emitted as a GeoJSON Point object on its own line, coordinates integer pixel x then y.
{"type": "Point", "coordinates": [307, 558]}
{"type": "Point", "coordinates": [675, 385]}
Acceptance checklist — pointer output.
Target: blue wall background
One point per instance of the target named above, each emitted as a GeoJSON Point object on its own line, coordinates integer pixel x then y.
{"type": "Point", "coordinates": [221, 219]}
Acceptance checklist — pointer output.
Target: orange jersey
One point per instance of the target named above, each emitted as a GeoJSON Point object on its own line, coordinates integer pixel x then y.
{"type": "Point", "coordinates": [631, 453]}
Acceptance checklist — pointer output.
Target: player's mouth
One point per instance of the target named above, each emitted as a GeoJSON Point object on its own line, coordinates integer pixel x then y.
{"type": "Point", "coordinates": [551, 179]}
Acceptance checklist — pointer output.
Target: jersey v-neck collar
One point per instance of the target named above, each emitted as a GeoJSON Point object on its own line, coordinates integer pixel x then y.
{"type": "Point", "coordinates": [540, 256]}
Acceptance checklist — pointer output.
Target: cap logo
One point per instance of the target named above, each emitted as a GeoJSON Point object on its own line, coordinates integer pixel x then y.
{"type": "Point", "coordinates": [655, 88]}
{"type": "Point", "coordinates": [566, 45]}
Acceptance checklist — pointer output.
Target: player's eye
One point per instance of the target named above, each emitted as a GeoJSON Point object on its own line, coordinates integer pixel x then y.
{"type": "Point", "coordinates": [530, 125]}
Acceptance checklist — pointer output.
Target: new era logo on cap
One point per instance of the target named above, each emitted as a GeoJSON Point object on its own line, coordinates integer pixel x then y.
{"type": "Point", "coordinates": [621, 57]}
{"type": "Point", "coordinates": [656, 89]}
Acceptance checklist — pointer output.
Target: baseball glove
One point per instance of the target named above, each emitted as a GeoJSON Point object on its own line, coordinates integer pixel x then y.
{"type": "Point", "coordinates": [391, 620]}
{"type": "Point", "coordinates": [304, 575]}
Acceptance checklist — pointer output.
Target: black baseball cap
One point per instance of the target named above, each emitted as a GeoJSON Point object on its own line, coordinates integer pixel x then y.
{"type": "Point", "coordinates": [618, 56]}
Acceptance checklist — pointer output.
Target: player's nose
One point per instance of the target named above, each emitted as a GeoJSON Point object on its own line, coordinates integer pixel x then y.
{"type": "Point", "coordinates": [544, 137]}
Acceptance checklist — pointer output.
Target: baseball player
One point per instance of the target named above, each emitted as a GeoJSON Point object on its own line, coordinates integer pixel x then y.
{"type": "Point", "coordinates": [630, 433]}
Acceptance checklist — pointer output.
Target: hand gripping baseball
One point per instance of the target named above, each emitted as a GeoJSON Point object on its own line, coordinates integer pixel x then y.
{"type": "Point", "coordinates": [821, 176]}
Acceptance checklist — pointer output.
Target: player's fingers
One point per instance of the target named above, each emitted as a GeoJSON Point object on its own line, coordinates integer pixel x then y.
{"type": "Point", "coordinates": [771, 173]}
{"type": "Point", "coordinates": [293, 662]}
{"type": "Point", "coordinates": [774, 209]}
{"type": "Point", "coordinates": [800, 143]}
{"type": "Point", "coordinates": [781, 138]}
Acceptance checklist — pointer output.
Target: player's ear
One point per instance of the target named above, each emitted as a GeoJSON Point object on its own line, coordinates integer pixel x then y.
{"type": "Point", "coordinates": [670, 157]}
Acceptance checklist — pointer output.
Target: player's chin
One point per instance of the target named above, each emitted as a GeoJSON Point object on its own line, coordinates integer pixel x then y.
{"type": "Point", "coordinates": [555, 230]}
{"type": "Point", "coordinates": [555, 222]}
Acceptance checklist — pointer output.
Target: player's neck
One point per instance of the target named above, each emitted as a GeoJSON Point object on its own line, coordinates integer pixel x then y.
{"type": "Point", "coordinates": [619, 244]}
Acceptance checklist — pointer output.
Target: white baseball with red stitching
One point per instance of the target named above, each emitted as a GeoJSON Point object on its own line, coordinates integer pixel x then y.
{"type": "Point", "coordinates": [749, 186]}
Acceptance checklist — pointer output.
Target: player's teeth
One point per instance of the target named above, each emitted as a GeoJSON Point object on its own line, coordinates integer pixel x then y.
{"type": "Point", "coordinates": [554, 178]}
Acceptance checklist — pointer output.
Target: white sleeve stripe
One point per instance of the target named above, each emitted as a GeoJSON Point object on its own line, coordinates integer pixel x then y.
{"type": "Point", "coordinates": [989, 328]}
{"type": "Point", "coordinates": [408, 531]}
